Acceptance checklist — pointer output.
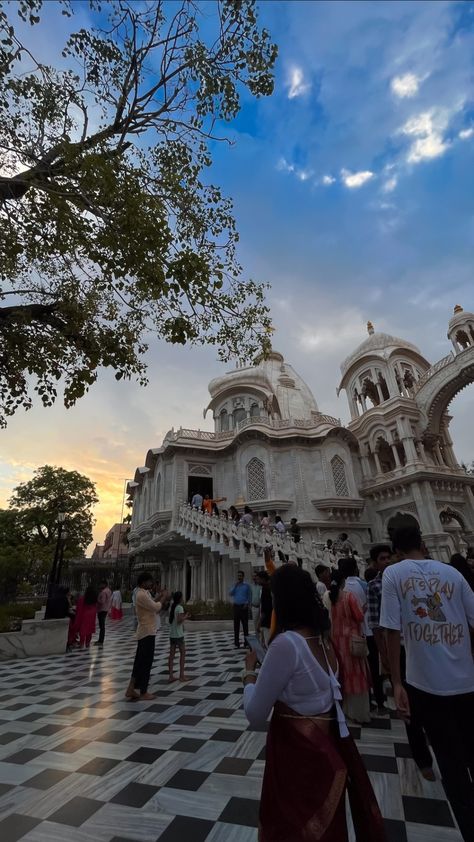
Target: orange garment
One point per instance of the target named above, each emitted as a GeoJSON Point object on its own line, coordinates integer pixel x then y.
{"type": "Point", "coordinates": [207, 506]}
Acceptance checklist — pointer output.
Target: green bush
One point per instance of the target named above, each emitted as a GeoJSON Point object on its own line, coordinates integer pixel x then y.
{"type": "Point", "coordinates": [12, 614]}
{"type": "Point", "coordinates": [214, 610]}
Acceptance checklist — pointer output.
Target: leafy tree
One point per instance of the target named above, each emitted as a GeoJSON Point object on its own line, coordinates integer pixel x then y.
{"type": "Point", "coordinates": [38, 502]}
{"type": "Point", "coordinates": [15, 556]}
{"type": "Point", "coordinates": [108, 229]}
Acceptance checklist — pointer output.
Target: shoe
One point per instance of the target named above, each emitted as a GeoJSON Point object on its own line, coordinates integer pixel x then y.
{"type": "Point", "coordinates": [101, 645]}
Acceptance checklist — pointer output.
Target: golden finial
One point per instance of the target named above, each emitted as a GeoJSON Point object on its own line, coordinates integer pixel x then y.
{"type": "Point", "coordinates": [370, 328]}
{"type": "Point", "coordinates": [458, 308]}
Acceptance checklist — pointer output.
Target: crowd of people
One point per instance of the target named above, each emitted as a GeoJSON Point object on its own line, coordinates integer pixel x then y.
{"type": "Point", "coordinates": [400, 619]}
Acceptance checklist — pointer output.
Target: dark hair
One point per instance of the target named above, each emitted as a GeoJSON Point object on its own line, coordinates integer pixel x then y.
{"type": "Point", "coordinates": [407, 538]}
{"type": "Point", "coordinates": [90, 595]}
{"type": "Point", "coordinates": [320, 568]}
{"type": "Point", "coordinates": [247, 510]}
{"type": "Point", "coordinates": [370, 573]}
{"type": "Point", "coordinates": [177, 597]}
{"type": "Point", "coordinates": [278, 519]}
{"type": "Point", "coordinates": [329, 542]}
{"type": "Point", "coordinates": [460, 564]}
{"type": "Point", "coordinates": [103, 582]}
{"type": "Point", "coordinates": [294, 520]}
{"type": "Point", "coordinates": [263, 575]}
{"type": "Point", "coordinates": [264, 514]}
{"type": "Point", "coordinates": [337, 580]}
{"type": "Point", "coordinates": [348, 567]}
{"type": "Point", "coordinates": [145, 576]}
{"type": "Point", "coordinates": [379, 548]}
{"type": "Point", "coordinates": [240, 573]}
{"type": "Point", "coordinates": [344, 536]}
{"type": "Point", "coordinates": [296, 600]}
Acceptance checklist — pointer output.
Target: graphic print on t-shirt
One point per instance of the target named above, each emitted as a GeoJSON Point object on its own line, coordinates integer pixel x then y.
{"type": "Point", "coordinates": [430, 606]}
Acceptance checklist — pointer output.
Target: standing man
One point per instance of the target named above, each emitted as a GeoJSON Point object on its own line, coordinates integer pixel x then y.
{"type": "Point", "coordinates": [209, 502]}
{"type": "Point", "coordinates": [147, 610]}
{"type": "Point", "coordinates": [256, 594]}
{"type": "Point", "coordinates": [104, 601]}
{"type": "Point", "coordinates": [196, 502]}
{"type": "Point", "coordinates": [242, 596]}
{"type": "Point", "coordinates": [433, 605]}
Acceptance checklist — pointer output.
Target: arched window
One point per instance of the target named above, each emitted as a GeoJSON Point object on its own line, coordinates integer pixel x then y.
{"type": "Point", "coordinates": [158, 493]}
{"type": "Point", "coordinates": [256, 484]}
{"type": "Point", "coordinates": [255, 411]}
{"type": "Point", "coordinates": [239, 415]}
{"type": "Point", "coordinates": [339, 476]}
{"type": "Point", "coordinates": [223, 421]}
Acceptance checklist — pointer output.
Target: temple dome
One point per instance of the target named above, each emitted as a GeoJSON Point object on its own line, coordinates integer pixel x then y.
{"type": "Point", "coordinates": [273, 380]}
{"type": "Point", "coordinates": [460, 316]}
{"type": "Point", "coordinates": [380, 345]}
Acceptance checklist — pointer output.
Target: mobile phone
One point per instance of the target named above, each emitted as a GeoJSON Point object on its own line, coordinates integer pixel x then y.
{"type": "Point", "coordinates": [255, 645]}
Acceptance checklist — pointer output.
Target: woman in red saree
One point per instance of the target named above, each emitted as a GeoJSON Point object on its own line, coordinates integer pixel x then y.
{"type": "Point", "coordinates": [86, 614]}
{"type": "Point", "coordinates": [311, 759]}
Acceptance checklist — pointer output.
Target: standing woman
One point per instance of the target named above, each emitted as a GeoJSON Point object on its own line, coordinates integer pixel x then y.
{"type": "Point", "coordinates": [86, 613]}
{"type": "Point", "coordinates": [311, 759]}
{"type": "Point", "coordinates": [116, 612]}
{"type": "Point", "coordinates": [347, 620]}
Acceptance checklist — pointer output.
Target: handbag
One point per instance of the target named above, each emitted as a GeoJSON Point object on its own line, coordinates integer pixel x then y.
{"type": "Point", "coordinates": [357, 642]}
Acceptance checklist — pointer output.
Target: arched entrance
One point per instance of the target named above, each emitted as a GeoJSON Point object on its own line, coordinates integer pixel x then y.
{"type": "Point", "coordinates": [400, 521]}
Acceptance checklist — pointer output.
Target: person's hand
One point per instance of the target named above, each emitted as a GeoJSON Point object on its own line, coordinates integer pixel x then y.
{"type": "Point", "coordinates": [251, 660]}
{"type": "Point", "coordinates": [401, 701]}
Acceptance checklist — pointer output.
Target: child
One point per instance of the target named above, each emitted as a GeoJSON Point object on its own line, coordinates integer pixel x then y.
{"type": "Point", "coordinates": [176, 620]}
{"type": "Point", "coordinates": [116, 612]}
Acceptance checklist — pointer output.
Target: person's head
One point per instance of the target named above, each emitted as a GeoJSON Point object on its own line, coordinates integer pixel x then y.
{"type": "Point", "coordinates": [323, 573]}
{"type": "Point", "coordinates": [381, 556]}
{"type": "Point", "coordinates": [293, 521]}
{"type": "Point", "coordinates": [206, 496]}
{"type": "Point", "coordinates": [337, 584]}
{"type": "Point", "coordinates": [370, 573]}
{"type": "Point", "coordinates": [145, 580]}
{"type": "Point", "coordinates": [407, 540]}
{"type": "Point", "coordinates": [240, 576]}
{"type": "Point", "coordinates": [263, 579]}
{"type": "Point", "coordinates": [343, 536]}
{"type": "Point", "coordinates": [103, 584]}
{"type": "Point", "coordinates": [348, 567]}
{"type": "Point", "coordinates": [247, 510]}
{"type": "Point", "coordinates": [264, 514]}
{"type": "Point", "coordinates": [278, 519]}
{"type": "Point", "coordinates": [225, 514]}
{"type": "Point", "coordinates": [90, 595]}
{"type": "Point", "coordinates": [296, 601]}
{"type": "Point", "coordinates": [176, 599]}
{"type": "Point", "coordinates": [329, 543]}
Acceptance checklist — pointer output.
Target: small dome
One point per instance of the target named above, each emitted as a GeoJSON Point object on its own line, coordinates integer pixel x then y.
{"type": "Point", "coordinates": [460, 316]}
{"type": "Point", "coordinates": [378, 343]}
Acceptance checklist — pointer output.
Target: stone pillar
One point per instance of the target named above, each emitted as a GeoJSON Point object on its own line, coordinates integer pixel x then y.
{"type": "Point", "coordinates": [439, 455]}
{"type": "Point", "coordinates": [395, 455]}
{"type": "Point", "coordinates": [377, 463]}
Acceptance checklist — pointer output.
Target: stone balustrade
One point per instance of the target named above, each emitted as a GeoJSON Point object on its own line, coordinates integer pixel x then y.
{"type": "Point", "coordinates": [247, 543]}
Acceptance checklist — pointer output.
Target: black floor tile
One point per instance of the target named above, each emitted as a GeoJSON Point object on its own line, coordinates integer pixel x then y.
{"type": "Point", "coordinates": [379, 763]}
{"type": "Point", "coordinates": [188, 744]}
{"type": "Point", "coordinates": [15, 826]}
{"type": "Point", "coordinates": [183, 828]}
{"type": "Point", "coordinates": [395, 830]}
{"type": "Point", "coordinates": [187, 719]}
{"type": "Point", "coordinates": [223, 713]}
{"type": "Point", "coordinates": [49, 730]}
{"type": "Point", "coordinates": [226, 735]}
{"type": "Point", "coordinates": [217, 696]}
{"type": "Point", "coordinates": [4, 788]}
{"type": "Point", "coordinates": [47, 778]}
{"type": "Point", "coordinates": [8, 737]}
{"type": "Point", "coordinates": [241, 811]}
{"type": "Point", "coordinates": [99, 766]}
{"type": "Point", "coordinates": [23, 756]}
{"type": "Point", "coordinates": [157, 708]}
{"type": "Point", "coordinates": [145, 755]}
{"type": "Point", "coordinates": [124, 714]}
{"type": "Point", "coordinates": [70, 746]}
{"type": "Point", "coordinates": [112, 737]}
{"type": "Point", "coordinates": [187, 779]}
{"type": "Point", "coordinates": [427, 811]}
{"type": "Point", "coordinates": [135, 795]}
{"type": "Point", "coordinates": [379, 724]}
{"type": "Point", "coordinates": [76, 811]}
{"type": "Point", "coordinates": [233, 766]}
{"type": "Point", "coordinates": [69, 710]}
{"type": "Point", "coordinates": [88, 722]}
{"type": "Point", "coordinates": [152, 728]}
{"type": "Point", "coordinates": [402, 750]}
{"type": "Point", "coordinates": [30, 717]}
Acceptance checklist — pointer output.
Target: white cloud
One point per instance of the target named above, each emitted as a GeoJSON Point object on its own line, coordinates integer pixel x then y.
{"type": "Point", "coordinates": [428, 128]}
{"type": "Point", "coordinates": [303, 175]}
{"type": "Point", "coordinates": [405, 86]}
{"type": "Point", "coordinates": [464, 134]}
{"type": "Point", "coordinates": [327, 179]}
{"type": "Point", "coordinates": [296, 83]}
{"type": "Point", "coordinates": [284, 166]}
{"type": "Point", "coordinates": [354, 180]}
{"type": "Point", "coordinates": [390, 184]}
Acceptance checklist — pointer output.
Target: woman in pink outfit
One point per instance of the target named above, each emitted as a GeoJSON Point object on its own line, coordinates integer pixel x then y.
{"type": "Point", "coordinates": [86, 614]}
{"type": "Point", "coordinates": [347, 622]}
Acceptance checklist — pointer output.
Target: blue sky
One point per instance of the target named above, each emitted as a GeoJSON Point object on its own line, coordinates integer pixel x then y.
{"type": "Point", "coordinates": [353, 190]}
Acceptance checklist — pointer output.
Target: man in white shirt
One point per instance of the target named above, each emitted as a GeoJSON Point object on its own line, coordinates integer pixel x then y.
{"type": "Point", "coordinates": [433, 605]}
{"type": "Point", "coordinates": [196, 502]}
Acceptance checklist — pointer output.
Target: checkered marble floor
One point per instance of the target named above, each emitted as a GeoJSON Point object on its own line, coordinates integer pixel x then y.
{"type": "Point", "coordinates": [78, 762]}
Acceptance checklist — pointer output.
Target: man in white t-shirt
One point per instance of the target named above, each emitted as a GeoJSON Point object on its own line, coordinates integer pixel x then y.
{"type": "Point", "coordinates": [433, 605]}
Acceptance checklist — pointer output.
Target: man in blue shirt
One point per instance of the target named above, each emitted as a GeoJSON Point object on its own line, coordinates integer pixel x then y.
{"type": "Point", "coordinates": [242, 596]}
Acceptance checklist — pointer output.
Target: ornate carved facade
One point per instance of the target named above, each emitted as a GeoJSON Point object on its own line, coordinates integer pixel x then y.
{"type": "Point", "coordinates": [273, 449]}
